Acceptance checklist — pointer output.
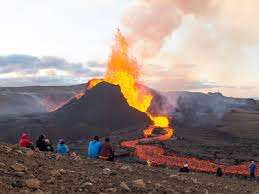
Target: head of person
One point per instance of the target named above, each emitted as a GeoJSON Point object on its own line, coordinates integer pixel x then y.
{"type": "Point", "coordinates": [107, 140]}
{"type": "Point", "coordinates": [41, 137]}
{"type": "Point", "coordinates": [61, 141]}
{"type": "Point", "coordinates": [185, 165]}
{"type": "Point", "coordinates": [24, 136]}
{"type": "Point", "coordinates": [96, 138]}
{"type": "Point", "coordinates": [47, 141]}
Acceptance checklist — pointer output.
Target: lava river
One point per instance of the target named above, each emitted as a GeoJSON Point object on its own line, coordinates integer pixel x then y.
{"type": "Point", "coordinates": [157, 155]}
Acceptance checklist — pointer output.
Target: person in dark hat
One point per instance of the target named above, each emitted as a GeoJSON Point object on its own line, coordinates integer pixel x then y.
{"type": "Point", "coordinates": [107, 152]}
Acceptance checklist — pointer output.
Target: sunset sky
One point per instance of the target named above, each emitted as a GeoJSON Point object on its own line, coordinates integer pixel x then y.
{"type": "Point", "coordinates": [194, 45]}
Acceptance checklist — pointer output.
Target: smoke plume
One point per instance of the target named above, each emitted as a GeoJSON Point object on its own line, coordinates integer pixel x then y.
{"type": "Point", "coordinates": [219, 37]}
{"type": "Point", "coordinates": [151, 22]}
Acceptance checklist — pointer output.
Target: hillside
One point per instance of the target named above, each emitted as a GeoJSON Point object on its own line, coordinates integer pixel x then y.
{"type": "Point", "coordinates": [25, 171]}
{"type": "Point", "coordinates": [100, 111]}
{"type": "Point", "coordinates": [34, 99]}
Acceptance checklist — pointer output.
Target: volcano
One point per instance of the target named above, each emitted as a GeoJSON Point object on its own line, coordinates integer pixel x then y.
{"type": "Point", "coordinates": [100, 111]}
{"type": "Point", "coordinates": [103, 107]}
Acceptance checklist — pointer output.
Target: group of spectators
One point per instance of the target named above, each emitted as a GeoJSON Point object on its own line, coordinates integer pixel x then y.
{"type": "Point", "coordinates": [96, 149]}
{"type": "Point", "coordinates": [43, 144]}
{"type": "Point", "coordinates": [100, 150]}
{"type": "Point", "coordinates": [103, 151]}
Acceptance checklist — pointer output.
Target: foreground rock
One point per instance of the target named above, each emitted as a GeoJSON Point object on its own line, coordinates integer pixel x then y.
{"type": "Point", "coordinates": [44, 174]}
{"type": "Point", "coordinates": [33, 183]}
{"type": "Point", "coordinates": [18, 167]}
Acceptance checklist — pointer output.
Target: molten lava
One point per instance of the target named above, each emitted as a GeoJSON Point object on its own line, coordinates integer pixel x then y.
{"type": "Point", "coordinates": [79, 95]}
{"type": "Point", "coordinates": [124, 71]}
{"type": "Point", "coordinates": [93, 82]}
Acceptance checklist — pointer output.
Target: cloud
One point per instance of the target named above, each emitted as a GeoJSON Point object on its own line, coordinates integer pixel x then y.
{"type": "Point", "coordinates": [151, 22]}
{"type": "Point", "coordinates": [96, 64]}
{"type": "Point", "coordinates": [174, 77]}
{"type": "Point", "coordinates": [20, 70]}
{"type": "Point", "coordinates": [169, 84]}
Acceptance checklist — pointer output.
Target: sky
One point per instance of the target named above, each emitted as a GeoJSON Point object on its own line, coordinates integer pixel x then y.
{"type": "Point", "coordinates": [194, 45]}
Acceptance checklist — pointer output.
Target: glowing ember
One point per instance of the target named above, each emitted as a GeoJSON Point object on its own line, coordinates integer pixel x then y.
{"type": "Point", "coordinates": [148, 131]}
{"type": "Point", "coordinates": [93, 82]}
{"type": "Point", "coordinates": [79, 95]}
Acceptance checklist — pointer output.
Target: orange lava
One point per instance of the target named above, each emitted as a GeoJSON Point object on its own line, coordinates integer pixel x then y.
{"type": "Point", "coordinates": [93, 82]}
{"type": "Point", "coordinates": [79, 95]}
{"type": "Point", "coordinates": [148, 131]}
{"type": "Point", "coordinates": [157, 155]}
{"type": "Point", "coordinates": [124, 71]}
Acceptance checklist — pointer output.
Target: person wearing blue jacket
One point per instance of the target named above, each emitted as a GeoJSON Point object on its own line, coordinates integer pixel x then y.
{"type": "Point", "coordinates": [252, 169]}
{"type": "Point", "coordinates": [62, 148]}
{"type": "Point", "coordinates": [94, 148]}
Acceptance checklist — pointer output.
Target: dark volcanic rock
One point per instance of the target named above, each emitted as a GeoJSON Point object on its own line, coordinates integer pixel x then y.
{"type": "Point", "coordinates": [103, 107]}
{"type": "Point", "coordinates": [86, 176]}
{"type": "Point", "coordinates": [100, 111]}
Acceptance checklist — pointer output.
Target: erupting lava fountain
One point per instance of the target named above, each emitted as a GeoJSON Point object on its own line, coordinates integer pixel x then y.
{"type": "Point", "coordinates": [124, 71]}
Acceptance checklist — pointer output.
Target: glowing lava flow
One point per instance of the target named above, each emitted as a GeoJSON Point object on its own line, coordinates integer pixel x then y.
{"type": "Point", "coordinates": [157, 155]}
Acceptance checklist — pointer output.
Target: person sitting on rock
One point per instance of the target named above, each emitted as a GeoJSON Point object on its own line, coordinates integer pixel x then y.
{"type": "Point", "coordinates": [107, 152]}
{"type": "Point", "coordinates": [185, 168]}
{"type": "Point", "coordinates": [252, 169]}
{"type": "Point", "coordinates": [40, 143]}
{"type": "Point", "coordinates": [62, 148]}
{"type": "Point", "coordinates": [94, 148]}
{"type": "Point", "coordinates": [48, 146]}
{"type": "Point", "coordinates": [25, 142]}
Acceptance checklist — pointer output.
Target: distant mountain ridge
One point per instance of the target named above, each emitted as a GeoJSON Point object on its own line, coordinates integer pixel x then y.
{"type": "Point", "coordinates": [34, 99]}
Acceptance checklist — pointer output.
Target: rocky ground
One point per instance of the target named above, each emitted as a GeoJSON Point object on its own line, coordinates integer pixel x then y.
{"type": "Point", "coordinates": [25, 171]}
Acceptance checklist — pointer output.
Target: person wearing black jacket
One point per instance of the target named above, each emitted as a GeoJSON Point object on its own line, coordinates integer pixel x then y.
{"type": "Point", "coordinates": [185, 168]}
{"type": "Point", "coordinates": [219, 172]}
{"type": "Point", "coordinates": [40, 143]}
{"type": "Point", "coordinates": [48, 146]}
{"type": "Point", "coordinates": [43, 144]}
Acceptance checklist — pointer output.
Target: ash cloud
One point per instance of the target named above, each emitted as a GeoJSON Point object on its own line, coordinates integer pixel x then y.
{"type": "Point", "coordinates": [149, 24]}
{"type": "Point", "coordinates": [220, 36]}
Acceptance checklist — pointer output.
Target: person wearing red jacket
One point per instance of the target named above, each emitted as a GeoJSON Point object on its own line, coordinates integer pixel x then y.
{"type": "Point", "coordinates": [25, 142]}
{"type": "Point", "coordinates": [107, 152]}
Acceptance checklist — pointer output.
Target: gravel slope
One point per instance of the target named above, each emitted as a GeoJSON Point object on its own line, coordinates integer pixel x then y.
{"type": "Point", "coordinates": [24, 171]}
